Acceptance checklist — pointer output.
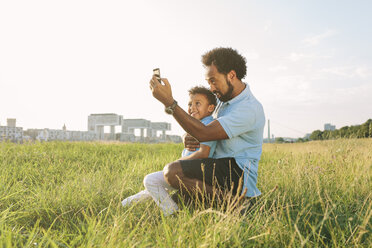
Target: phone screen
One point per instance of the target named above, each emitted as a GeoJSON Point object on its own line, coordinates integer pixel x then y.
{"type": "Point", "coordinates": [157, 74]}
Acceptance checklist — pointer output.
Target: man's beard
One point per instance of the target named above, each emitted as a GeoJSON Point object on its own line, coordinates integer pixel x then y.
{"type": "Point", "coordinates": [228, 95]}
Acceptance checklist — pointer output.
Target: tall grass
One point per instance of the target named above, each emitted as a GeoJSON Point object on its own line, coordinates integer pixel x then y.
{"type": "Point", "coordinates": [60, 194]}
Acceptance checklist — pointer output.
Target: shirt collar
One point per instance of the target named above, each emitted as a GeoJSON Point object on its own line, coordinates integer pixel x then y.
{"type": "Point", "coordinates": [206, 118]}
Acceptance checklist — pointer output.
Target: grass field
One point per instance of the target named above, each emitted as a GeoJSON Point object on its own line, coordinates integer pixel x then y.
{"type": "Point", "coordinates": [315, 194]}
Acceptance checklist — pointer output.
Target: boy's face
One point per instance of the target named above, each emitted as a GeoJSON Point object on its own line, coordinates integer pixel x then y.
{"type": "Point", "coordinates": [199, 106]}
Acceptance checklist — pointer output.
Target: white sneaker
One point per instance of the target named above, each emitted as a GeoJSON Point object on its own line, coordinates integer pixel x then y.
{"type": "Point", "coordinates": [139, 197]}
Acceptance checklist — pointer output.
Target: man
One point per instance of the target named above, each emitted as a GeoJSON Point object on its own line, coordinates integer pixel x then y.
{"type": "Point", "coordinates": [238, 128]}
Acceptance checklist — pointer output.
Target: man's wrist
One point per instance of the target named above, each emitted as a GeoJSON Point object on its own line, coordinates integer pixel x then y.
{"type": "Point", "coordinates": [170, 109]}
{"type": "Point", "coordinates": [168, 103]}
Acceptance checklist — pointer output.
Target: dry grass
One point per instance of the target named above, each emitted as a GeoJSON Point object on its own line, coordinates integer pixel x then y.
{"type": "Point", "coordinates": [315, 194]}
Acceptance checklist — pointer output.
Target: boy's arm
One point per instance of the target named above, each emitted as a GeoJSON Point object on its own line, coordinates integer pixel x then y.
{"type": "Point", "coordinates": [203, 152]}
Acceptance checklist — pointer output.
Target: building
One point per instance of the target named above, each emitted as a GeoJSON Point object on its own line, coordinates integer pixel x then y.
{"type": "Point", "coordinates": [174, 138]}
{"type": "Point", "coordinates": [10, 132]}
{"type": "Point", "coordinates": [10, 122]}
{"type": "Point", "coordinates": [61, 135]}
{"type": "Point", "coordinates": [329, 127]}
{"type": "Point", "coordinates": [148, 131]}
{"type": "Point", "coordinates": [97, 123]}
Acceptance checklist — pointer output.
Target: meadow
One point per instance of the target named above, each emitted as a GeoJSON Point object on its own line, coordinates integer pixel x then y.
{"type": "Point", "coordinates": [66, 194]}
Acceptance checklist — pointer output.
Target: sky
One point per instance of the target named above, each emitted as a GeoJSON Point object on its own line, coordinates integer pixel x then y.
{"type": "Point", "coordinates": [309, 62]}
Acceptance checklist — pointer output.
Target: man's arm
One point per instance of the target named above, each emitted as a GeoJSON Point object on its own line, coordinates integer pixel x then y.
{"type": "Point", "coordinates": [203, 152]}
{"type": "Point", "coordinates": [213, 131]}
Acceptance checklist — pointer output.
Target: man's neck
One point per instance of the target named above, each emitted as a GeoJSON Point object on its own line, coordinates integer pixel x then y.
{"type": "Point", "coordinates": [239, 87]}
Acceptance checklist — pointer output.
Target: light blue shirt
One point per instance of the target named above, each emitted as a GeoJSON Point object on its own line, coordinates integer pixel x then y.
{"type": "Point", "coordinates": [212, 144]}
{"type": "Point", "coordinates": [243, 120]}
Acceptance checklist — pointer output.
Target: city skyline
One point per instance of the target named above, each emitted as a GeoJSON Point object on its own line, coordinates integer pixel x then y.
{"type": "Point", "coordinates": [11, 122]}
{"type": "Point", "coordinates": [148, 132]}
{"type": "Point", "coordinates": [62, 61]}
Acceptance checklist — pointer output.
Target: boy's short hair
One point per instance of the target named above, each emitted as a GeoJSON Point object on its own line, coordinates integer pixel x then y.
{"type": "Point", "coordinates": [204, 91]}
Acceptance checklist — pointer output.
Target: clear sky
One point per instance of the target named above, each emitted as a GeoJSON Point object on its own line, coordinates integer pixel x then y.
{"type": "Point", "coordinates": [309, 62]}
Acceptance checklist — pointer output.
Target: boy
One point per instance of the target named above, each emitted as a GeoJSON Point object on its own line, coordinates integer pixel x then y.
{"type": "Point", "coordinates": [201, 105]}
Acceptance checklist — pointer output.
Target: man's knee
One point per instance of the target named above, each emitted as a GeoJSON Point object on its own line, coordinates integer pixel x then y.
{"type": "Point", "coordinates": [173, 173]}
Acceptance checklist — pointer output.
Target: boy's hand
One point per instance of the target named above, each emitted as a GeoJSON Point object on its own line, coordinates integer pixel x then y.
{"type": "Point", "coordinates": [161, 92]}
{"type": "Point", "coordinates": [190, 142]}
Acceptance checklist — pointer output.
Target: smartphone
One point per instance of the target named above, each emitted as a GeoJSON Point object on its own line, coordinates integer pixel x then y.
{"type": "Point", "coordinates": [156, 72]}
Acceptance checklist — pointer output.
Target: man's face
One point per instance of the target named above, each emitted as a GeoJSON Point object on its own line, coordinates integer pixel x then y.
{"type": "Point", "coordinates": [219, 84]}
{"type": "Point", "coordinates": [199, 106]}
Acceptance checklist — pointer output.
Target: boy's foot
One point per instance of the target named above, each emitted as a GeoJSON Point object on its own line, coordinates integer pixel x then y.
{"type": "Point", "coordinates": [140, 196]}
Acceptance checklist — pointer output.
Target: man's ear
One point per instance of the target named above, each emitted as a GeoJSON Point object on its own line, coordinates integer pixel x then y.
{"type": "Point", "coordinates": [211, 108]}
{"type": "Point", "coordinates": [231, 75]}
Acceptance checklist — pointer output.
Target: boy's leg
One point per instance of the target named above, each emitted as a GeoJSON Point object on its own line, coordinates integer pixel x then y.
{"type": "Point", "coordinates": [139, 197]}
{"type": "Point", "coordinates": [158, 188]}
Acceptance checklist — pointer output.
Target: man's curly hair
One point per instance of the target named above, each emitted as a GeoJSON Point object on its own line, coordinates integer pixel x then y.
{"type": "Point", "coordinates": [204, 91]}
{"type": "Point", "coordinates": [225, 60]}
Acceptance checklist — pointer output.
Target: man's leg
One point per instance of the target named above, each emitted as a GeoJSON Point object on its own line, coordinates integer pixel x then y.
{"type": "Point", "coordinates": [158, 188]}
{"type": "Point", "coordinates": [212, 176]}
{"type": "Point", "coordinates": [173, 174]}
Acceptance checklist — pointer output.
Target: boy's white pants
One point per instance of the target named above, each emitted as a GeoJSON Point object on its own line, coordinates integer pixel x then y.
{"type": "Point", "coordinates": [156, 188]}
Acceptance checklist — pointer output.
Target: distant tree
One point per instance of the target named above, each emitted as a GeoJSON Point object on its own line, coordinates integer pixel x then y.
{"type": "Point", "coordinates": [335, 134]}
{"type": "Point", "coordinates": [368, 128]}
{"type": "Point", "coordinates": [358, 131]}
{"type": "Point", "coordinates": [327, 134]}
{"type": "Point", "coordinates": [316, 135]}
{"type": "Point", "coordinates": [279, 140]}
{"type": "Point", "coordinates": [300, 140]}
{"type": "Point", "coordinates": [344, 131]}
{"type": "Point", "coordinates": [352, 132]}
{"type": "Point", "coordinates": [364, 130]}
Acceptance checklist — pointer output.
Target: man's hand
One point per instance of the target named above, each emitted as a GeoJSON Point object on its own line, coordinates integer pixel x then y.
{"type": "Point", "coordinates": [161, 92]}
{"type": "Point", "coordinates": [190, 142]}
